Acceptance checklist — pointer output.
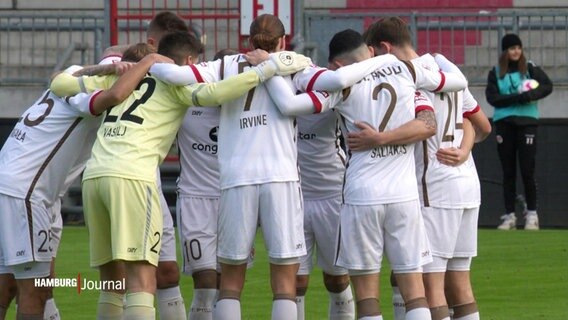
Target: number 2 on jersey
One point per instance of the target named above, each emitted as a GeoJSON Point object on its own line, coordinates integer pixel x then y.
{"type": "Point", "coordinates": [392, 103]}
{"type": "Point", "coordinates": [248, 101]}
{"type": "Point", "coordinates": [127, 115]}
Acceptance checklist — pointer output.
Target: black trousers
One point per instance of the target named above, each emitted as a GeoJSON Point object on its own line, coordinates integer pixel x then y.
{"type": "Point", "coordinates": [517, 142]}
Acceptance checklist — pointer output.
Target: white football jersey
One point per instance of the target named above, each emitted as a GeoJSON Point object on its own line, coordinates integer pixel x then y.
{"type": "Point", "coordinates": [386, 99]}
{"type": "Point", "coordinates": [257, 143]}
{"type": "Point", "coordinates": [197, 141]}
{"type": "Point", "coordinates": [321, 159]}
{"type": "Point", "coordinates": [440, 185]}
{"type": "Point", "coordinates": [51, 139]}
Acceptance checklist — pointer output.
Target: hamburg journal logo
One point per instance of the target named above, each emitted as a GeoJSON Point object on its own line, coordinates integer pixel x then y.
{"type": "Point", "coordinates": [81, 284]}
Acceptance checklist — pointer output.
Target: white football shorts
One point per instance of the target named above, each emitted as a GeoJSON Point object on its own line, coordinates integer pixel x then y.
{"type": "Point", "coordinates": [396, 229]}
{"type": "Point", "coordinates": [197, 227]}
{"type": "Point", "coordinates": [276, 206]}
{"type": "Point", "coordinates": [452, 234]}
{"type": "Point", "coordinates": [321, 224]}
{"type": "Point", "coordinates": [25, 238]}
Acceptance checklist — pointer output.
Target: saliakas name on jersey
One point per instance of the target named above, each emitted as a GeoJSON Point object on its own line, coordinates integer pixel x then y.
{"type": "Point", "coordinates": [388, 151]}
{"type": "Point", "coordinates": [254, 121]}
{"type": "Point", "coordinates": [114, 132]}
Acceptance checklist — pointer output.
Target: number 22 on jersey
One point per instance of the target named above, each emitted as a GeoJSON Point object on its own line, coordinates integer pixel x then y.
{"type": "Point", "coordinates": [127, 115]}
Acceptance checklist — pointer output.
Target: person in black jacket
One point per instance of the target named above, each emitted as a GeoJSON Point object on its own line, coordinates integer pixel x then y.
{"type": "Point", "coordinates": [514, 96]}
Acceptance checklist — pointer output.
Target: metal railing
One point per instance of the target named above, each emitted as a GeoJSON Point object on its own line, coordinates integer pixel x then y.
{"type": "Point", "coordinates": [32, 46]}
{"type": "Point", "coordinates": [472, 40]}
{"type": "Point", "coordinates": [216, 22]}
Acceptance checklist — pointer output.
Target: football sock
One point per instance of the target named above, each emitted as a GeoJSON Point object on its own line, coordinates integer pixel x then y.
{"type": "Point", "coordinates": [300, 307]}
{"type": "Point", "coordinates": [440, 313]}
{"type": "Point", "coordinates": [170, 304]}
{"type": "Point", "coordinates": [110, 306]}
{"type": "Point", "coordinates": [341, 305]}
{"type": "Point", "coordinates": [418, 314]}
{"type": "Point", "coordinates": [50, 312]}
{"type": "Point", "coordinates": [398, 304]}
{"type": "Point", "coordinates": [379, 317]}
{"type": "Point", "coordinates": [227, 309]}
{"type": "Point", "coordinates": [202, 304]}
{"type": "Point", "coordinates": [466, 312]}
{"type": "Point", "coordinates": [139, 306]}
{"type": "Point", "coordinates": [417, 309]}
{"type": "Point", "coordinates": [283, 309]}
{"type": "Point", "coordinates": [531, 212]}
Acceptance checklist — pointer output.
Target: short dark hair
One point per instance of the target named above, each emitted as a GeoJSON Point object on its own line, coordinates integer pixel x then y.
{"type": "Point", "coordinates": [392, 30]}
{"type": "Point", "coordinates": [178, 46]}
{"type": "Point", "coordinates": [166, 22]}
{"type": "Point", "coordinates": [343, 42]}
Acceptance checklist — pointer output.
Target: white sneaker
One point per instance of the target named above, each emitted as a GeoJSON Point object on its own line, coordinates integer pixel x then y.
{"type": "Point", "coordinates": [509, 222]}
{"type": "Point", "coordinates": [531, 222]}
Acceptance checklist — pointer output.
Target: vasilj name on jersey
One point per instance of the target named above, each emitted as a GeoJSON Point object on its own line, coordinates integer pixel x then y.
{"type": "Point", "coordinates": [18, 134]}
{"type": "Point", "coordinates": [387, 151]}
{"type": "Point", "coordinates": [115, 132]}
{"type": "Point", "coordinates": [254, 121]}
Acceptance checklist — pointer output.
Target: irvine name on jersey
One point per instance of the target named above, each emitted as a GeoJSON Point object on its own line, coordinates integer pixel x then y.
{"type": "Point", "coordinates": [49, 139]}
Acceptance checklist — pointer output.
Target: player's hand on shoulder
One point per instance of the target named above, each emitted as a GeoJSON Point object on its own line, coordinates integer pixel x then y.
{"type": "Point", "coordinates": [289, 62]}
{"type": "Point", "coordinates": [452, 156]}
{"type": "Point", "coordinates": [365, 139]}
{"type": "Point", "coordinates": [257, 56]}
{"type": "Point", "coordinates": [158, 58]}
{"type": "Point", "coordinates": [121, 67]}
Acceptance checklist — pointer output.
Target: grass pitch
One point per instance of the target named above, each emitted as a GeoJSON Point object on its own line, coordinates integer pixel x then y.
{"type": "Point", "coordinates": [517, 275]}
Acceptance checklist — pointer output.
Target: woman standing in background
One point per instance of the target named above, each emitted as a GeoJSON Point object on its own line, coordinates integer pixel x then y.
{"type": "Point", "coordinates": [514, 96]}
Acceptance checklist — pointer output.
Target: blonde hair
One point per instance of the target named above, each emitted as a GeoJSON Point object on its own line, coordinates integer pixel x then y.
{"type": "Point", "coordinates": [137, 52]}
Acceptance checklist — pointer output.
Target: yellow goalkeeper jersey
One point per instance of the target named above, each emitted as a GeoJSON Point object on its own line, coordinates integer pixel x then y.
{"type": "Point", "coordinates": [136, 135]}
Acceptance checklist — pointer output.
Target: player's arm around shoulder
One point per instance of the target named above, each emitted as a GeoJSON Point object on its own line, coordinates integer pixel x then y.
{"type": "Point", "coordinates": [211, 94]}
{"type": "Point", "coordinates": [65, 84]}
{"type": "Point", "coordinates": [124, 86]}
{"type": "Point", "coordinates": [449, 78]}
{"type": "Point", "coordinates": [188, 74]}
{"type": "Point", "coordinates": [418, 129]}
{"type": "Point", "coordinates": [292, 104]}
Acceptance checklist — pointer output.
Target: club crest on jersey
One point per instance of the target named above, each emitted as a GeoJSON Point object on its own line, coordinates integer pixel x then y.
{"type": "Point", "coordinates": [286, 58]}
{"type": "Point", "coordinates": [213, 134]}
